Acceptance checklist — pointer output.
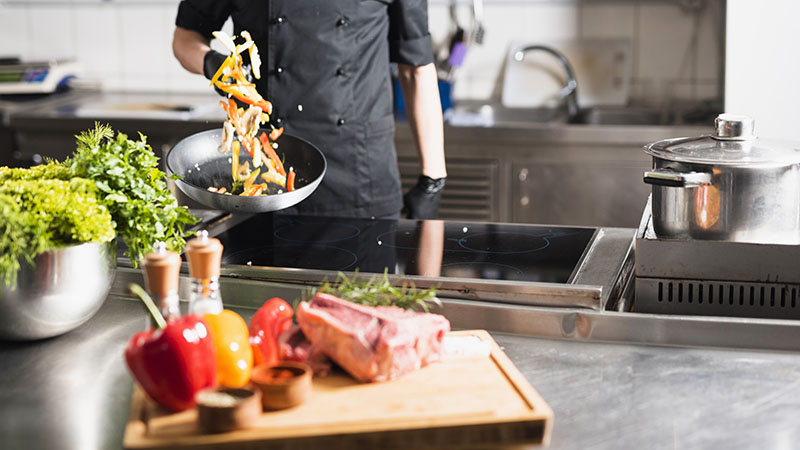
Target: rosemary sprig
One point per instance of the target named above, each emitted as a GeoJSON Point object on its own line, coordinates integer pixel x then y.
{"type": "Point", "coordinates": [378, 291]}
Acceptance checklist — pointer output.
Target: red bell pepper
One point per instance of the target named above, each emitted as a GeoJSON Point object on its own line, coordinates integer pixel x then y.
{"type": "Point", "coordinates": [174, 360]}
{"type": "Point", "coordinates": [290, 180]}
{"type": "Point", "coordinates": [272, 318]}
{"type": "Point", "coordinates": [267, 147]}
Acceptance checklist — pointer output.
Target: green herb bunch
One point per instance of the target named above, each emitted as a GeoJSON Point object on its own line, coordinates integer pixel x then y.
{"type": "Point", "coordinates": [379, 291]}
{"type": "Point", "coordinates": [39, 215]}
{"type": "Point", "coordinates": [111, 186]}
{"type": "Point", "coordinates": [130, 184]}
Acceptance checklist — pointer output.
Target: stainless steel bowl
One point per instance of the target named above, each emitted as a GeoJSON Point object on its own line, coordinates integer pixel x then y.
{"type": "Point", "coordinates": [64, 289]}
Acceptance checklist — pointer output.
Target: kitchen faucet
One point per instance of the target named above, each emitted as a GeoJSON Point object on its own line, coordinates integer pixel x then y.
{"type": "Point", "coordinates": [570, 91]}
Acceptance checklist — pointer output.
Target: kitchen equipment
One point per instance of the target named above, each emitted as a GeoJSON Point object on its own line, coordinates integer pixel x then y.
{"type": "Point", "coordinates": [728, 186]}
{"type": "Point", "coordinates": [63, 290]}
{"type": "Point", "coordinates": [222, 409]}
{"type": "Point", "coordinates": [714, 277]}
{"type": "Point", "coordinates": [200, 165]}
{"type": "Point", "coordinates": [513, 263]}
{"type": "Point", "coordinates": [41, 77]}
{"type": "Point", "coordinates": [470, 400]}
{"type": "Point", "coordinates": [602, 69]}
{"type": "Point", "coordinates": [282, 392]}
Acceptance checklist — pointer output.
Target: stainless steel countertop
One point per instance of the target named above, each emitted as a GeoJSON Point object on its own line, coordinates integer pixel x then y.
{"type": "Point", "coordinates": [90, 105]}
{"type": "Point", "coordinates": [72, 392]}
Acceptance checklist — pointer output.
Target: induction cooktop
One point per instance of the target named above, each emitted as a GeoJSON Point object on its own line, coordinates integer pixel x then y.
{"type": "Point", "coordinates": [428, 248]}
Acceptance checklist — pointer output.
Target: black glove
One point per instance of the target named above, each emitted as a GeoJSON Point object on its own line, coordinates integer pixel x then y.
{"type": "Point", "coordinates": [422, 200]}
{"type": "Point", "coordinates": [211, 63]}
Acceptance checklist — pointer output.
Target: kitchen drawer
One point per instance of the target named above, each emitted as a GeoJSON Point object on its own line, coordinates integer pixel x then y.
{"type": "Point", "coordinates": [472, 189]}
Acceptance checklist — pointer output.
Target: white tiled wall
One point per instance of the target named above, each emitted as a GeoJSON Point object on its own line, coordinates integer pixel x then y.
{"type": "Point", "coordinates": [125, 44]}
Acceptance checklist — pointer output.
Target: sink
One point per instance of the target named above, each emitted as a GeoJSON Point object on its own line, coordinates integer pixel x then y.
{"type": "Point", "coordinates": [468, 113]}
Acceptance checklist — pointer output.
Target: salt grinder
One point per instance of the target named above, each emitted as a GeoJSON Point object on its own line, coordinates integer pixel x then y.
{"type": "Point", "coordinates": [162, 269]}
{"type": "Point", "coordinates": [205, 256]}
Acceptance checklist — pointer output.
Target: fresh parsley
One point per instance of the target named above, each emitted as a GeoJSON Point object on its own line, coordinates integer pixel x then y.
{"type": "Point", "coordinates": [135, 191]}
{"type": "Point", "coordinates": [110, 186]}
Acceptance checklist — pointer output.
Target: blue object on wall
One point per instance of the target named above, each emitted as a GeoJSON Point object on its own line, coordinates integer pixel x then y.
{"type": "Point", "coordinates": [445, 97]}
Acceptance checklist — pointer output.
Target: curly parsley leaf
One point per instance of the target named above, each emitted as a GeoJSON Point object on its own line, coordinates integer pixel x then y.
{"type": "Point", "coordinates": [135, 191]}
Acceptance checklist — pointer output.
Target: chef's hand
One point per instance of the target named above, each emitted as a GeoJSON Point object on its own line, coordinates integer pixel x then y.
{"type": "Point", "coordinates": [211, 63]}
{"type": "Point", "coordinates": [422, 200]}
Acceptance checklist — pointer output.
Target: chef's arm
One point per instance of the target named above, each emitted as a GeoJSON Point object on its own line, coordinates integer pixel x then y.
{"type": "Point", "coordinates": [190, 48]}
{"type": "Point", "coordinates": [424, 111]}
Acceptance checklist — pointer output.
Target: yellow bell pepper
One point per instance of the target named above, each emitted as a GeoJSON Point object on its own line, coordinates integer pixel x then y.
{"type": "Point", "coordinates": [233, 352]}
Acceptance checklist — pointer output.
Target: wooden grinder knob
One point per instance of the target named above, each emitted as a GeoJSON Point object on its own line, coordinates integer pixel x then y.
{"type": "Point", "coordinates": [161, 270]}
{"type": "Point", "coordinates": [204, 255]}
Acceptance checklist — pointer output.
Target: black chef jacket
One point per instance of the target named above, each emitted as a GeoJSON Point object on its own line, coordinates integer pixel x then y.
{"type": "Point", "coordinates": [325, 68]}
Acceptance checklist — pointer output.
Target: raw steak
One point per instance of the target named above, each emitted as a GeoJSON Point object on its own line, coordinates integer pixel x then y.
{"type": "Point", "coordinates": [295, 346]}
{"type": "Point", "coordinates": [372, 344]}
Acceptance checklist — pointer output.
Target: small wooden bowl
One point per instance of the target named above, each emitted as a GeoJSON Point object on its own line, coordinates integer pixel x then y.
{"type": "Point", "coordinates": [224, 409]}
{"type": "Point", "coordinates": [283, 385]}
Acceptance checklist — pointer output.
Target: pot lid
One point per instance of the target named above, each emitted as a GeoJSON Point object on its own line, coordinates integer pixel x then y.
{"type": "Point", "coordinates": [733, 143]}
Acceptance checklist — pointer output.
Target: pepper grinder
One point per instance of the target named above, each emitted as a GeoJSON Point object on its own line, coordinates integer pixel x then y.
{"type": "Point", "coordinates": [205, 256]}
{"type": "Point", "coordinates": [161, 271]}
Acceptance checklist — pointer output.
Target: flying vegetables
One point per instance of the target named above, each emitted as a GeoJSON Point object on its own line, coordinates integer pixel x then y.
{"type": "Point", "coordinates": [242, 127]}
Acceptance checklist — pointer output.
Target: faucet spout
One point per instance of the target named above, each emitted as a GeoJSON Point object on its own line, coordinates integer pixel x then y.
{"type": "Point", "coordinates": [570, 90]}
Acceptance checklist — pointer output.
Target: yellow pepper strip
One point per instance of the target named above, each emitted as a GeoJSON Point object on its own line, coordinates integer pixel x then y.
{"type": "Point", "coordinates": [225, 64]}
{"type": "Point", "coordinates": [251, 179]}
{"type": "Point", "coordinates": [234, 354]}
{"type": "Point", "coordinates": [274, 177]}
{"type": "Point", "coordinates": [235, 159]}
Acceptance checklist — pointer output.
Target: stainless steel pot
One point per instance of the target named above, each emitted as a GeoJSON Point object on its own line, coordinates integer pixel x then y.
{"type": "Point", "coordinates": [728, 186]}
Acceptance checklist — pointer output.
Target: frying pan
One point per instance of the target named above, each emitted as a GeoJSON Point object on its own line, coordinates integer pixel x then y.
{"type": "Point", "coordinates": [200, 165]}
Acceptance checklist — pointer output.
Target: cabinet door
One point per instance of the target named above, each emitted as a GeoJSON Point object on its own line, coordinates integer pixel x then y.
{"type": "Point", "coordinates": [471, 192]}
{"type": "Point", "coordinates": [595, 193]}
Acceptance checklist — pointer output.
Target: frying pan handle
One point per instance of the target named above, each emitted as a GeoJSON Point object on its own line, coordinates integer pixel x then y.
{"type": "Point", "coordinates": [671, 178]}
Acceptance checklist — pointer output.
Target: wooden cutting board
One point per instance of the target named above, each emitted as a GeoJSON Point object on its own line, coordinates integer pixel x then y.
{"type": "Point", "coordinates": [466, 400]}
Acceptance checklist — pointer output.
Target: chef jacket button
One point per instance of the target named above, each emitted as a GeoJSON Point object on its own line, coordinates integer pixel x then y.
{"type": "Point", "coordinates": [339, 72]}
{"type": "Point", "coordinates": [279, 120]}
{"type": "Point", "coordinates": [279, 20]}
{"type": "Point", "coordinates": [342, 22]}
{"type": "Point", "coordinates": [340, 122]}
{"type": "Point", "coordinates": [279, 70]}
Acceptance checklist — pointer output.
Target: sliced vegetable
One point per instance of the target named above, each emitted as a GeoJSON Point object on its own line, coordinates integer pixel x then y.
{"type": "Point", "coordinates": [251, 179]}
{"type": "Point", "coordinates": [274, 177]}
{"type": "Point", "coordinates": [290, 180]}
{"type": "Point", "coordinates": [253, 190]}
{"type": "Point", "coordinates": [267, 146]}
{"type": "Point", "coordinates": [235, 147]}
{"type": "Point", "coordinates": [275, 133]}
{"type": "Point", "coordinates": [228, 63]}
{"type": "Point", "coordinates": [225, 40]}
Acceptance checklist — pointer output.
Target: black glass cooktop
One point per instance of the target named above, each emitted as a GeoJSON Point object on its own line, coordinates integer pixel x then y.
{"type": "Point", "coordinates": [408, 247]}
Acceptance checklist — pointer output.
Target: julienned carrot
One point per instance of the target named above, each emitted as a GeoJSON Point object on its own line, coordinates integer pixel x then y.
{"type": "Point", "coordinates": [247, 142]}
{"type": "Point", "coordinates": [290, 180]}
{"type": "Point", "coordinates": [267, 146]}
{"type": "Point", "coordinates": [275, 133]}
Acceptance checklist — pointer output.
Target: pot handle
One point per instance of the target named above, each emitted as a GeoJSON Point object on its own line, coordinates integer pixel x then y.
{"type": "Point", "coordinates": [671, 178]}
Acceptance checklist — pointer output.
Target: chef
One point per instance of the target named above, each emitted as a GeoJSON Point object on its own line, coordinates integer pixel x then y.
{"type": "Point", "coordinates": [326, 70]}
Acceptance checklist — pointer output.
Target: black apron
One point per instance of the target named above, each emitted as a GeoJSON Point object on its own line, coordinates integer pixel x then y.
{"type": "Point", "coordinates": [325, 68]}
